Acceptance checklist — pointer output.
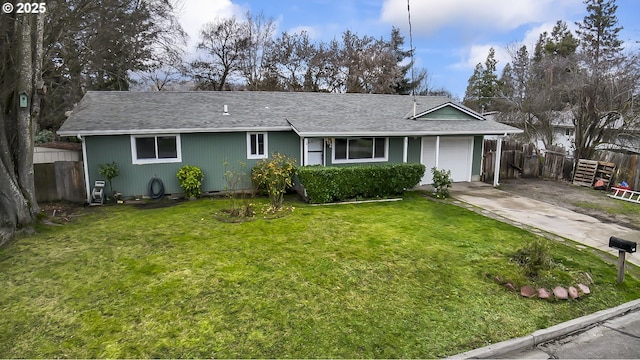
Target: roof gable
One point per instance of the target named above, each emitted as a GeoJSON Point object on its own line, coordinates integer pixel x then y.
{"type": "Point", "coordinates": [448, 111]}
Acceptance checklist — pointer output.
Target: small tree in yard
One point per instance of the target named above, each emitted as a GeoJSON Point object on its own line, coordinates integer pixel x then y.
{"type": "Point", "coordinates": [274, 175]}
{"type": "Point", "coordinates": [441, 182]}
{"type": "Point", "coordinates": [109, 171]}
{"type": "Point", "coordinates": [236, 181]}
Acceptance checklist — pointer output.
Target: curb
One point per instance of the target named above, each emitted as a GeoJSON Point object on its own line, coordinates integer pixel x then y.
{"type": "Point", "coordinates": [529, 342]}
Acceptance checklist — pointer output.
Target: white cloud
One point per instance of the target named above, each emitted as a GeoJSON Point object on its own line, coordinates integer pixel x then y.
{"type": "Point", "coordinates": [478, 54]}
{"type": "Point", "coordinates": [532, 35]}
{"type": "Point", "coordinates": [312, 32]}
{"type": "Point", "coordinates": [196, 13]}
{"type": "Point", "coordinates": [428, 16]}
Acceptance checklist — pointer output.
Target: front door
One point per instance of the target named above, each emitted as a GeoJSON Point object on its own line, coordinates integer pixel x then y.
{"type": "Point", "coordinates": [315, 151]}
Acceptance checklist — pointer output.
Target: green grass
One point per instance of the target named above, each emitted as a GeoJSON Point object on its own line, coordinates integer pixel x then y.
{"type": "Point", "coordinates": [381, 280]}
{"type": "Point", "coordinates": [614, 207]}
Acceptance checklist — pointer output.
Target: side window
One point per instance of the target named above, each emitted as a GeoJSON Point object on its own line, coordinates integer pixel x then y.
{"type": "Point", "coordinates": [257, 145]}
{"type": "Point", "coordinates": [155, 149]}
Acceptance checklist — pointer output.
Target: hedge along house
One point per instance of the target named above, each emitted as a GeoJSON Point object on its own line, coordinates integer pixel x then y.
{"type": "Point", "coordinates": [153, 134]}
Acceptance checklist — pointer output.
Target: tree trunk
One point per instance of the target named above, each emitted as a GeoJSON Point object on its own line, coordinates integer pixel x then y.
{"type": "Point", "coordinates": [26, 127]}
{"type": "Point", "coordinates": [18, 205]}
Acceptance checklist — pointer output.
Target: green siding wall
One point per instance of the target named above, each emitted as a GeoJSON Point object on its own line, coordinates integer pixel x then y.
{"type": "Point", "coordinates": [447, 112]}
{"type": "Point", "coordinates": [413, 152]}
{"type": "Point", "coordinates": [477, 155]}
{"type": "Point", "coordinates": [208, 151]}
{"type": "Point", "coordinates": [285, 142]}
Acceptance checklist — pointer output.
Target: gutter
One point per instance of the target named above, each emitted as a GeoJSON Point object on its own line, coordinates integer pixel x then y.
{"type": "Point", "coordinates": [172, 131]}
{"type": "Point", "coordinates": [404, 133]}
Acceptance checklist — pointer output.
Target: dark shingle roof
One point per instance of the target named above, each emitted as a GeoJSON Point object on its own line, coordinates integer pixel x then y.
{"type": "Point", "coordinates": [310, 114]}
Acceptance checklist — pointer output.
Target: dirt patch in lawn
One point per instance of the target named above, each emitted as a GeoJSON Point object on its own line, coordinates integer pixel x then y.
{"type": "Point", "coordinates": [157, 204]}
{"type": "Point", "coordinates": [580, 199]}
{"type": "Point", "coordinates": [60, 212]}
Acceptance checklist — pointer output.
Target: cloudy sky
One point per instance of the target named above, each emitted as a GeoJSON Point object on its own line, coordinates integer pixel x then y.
{"type": "Point", "coordinates": [450, 36]}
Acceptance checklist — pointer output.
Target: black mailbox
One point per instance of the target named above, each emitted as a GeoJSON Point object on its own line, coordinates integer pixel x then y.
{"type": "Point", "coordinates": [622, 245]}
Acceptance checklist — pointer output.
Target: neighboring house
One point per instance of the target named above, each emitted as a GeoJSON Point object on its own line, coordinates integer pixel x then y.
{"type": "Point", "coordinates": [153, 134]}
{"type": "Point", "coordinates": [563, 132]}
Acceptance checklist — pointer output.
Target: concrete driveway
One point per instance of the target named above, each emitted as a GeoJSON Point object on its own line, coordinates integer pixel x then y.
{"type": "Point", "coordinates": [568, 224]}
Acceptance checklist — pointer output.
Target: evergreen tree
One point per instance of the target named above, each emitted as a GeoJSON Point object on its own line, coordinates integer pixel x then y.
{"type": "Point", "coordinates": [484, 86]}
{"type": "Point", "coordinates": [472, 94]}
{"type": "Point", "coordinates": [405, 84]}
{"type": "Point", "coordinates": [598, 34]}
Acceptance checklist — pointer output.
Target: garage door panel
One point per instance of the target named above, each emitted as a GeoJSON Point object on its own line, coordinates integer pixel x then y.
{"type": "Point", "coordinates": [456, 154]}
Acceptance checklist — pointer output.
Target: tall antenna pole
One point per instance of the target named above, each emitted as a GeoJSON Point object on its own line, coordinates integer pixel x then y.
{"type": "Point", "coordinates": [413, 89]}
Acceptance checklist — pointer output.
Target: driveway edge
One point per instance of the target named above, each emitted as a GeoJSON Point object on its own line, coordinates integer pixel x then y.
{"type": "Point", "coordinates": [529, 342]}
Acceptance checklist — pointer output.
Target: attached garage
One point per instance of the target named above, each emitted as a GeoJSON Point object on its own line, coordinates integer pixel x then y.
{"type": "Point", "coordinates": [453, 153]}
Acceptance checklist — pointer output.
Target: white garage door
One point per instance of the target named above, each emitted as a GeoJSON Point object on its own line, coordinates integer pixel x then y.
{"type": "Point", "coordinates": [456, 154]}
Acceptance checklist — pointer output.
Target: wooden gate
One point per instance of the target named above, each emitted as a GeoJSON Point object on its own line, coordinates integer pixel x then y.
{"type": "Point", "coordinates": [60, 181]}
{"type": "Point", "coordinates": [522, 160]}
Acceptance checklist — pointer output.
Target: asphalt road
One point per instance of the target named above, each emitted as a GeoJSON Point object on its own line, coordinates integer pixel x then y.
{"type": "Point", "coordinates": [618, 338]}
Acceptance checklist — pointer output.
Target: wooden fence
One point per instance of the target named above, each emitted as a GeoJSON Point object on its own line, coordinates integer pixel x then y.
{"type": "Point", "coordinates": [60, 181]}
{"type": "Point", "coordinates": [522, 160]}
{"type": "Point", "coordinates": [627, 167]}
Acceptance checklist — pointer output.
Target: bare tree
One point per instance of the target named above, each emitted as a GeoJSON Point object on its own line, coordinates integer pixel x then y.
{"type": "Point", "coordinates": [166, 65]}
{"type": "Point", "coordinates": [292, 54]}
{"type": "Point", "coordinates": [259, 30]}
{"type": "Point", "coordinates": [224, 44]}
{"type": "Point", "coordinates": [533, 87]}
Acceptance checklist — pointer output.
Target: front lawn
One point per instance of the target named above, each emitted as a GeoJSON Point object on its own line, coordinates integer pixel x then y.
{"type": "Point", "coordinates": [410, 279]}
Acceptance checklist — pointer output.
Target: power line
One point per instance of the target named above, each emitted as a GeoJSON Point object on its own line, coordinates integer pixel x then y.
{"type": "Point", "coordinates": [413, 89]}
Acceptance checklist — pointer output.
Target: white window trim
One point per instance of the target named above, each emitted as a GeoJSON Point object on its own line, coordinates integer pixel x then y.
{"type": "Point", "coordinates": [357, 161]}
{"type": "Point", "coordinates": [134, 151]}
{"type": "Point", "coordinates": [266, 146]}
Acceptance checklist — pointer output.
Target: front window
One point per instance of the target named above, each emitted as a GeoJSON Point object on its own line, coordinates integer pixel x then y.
{"type": "Point", "coordinates": [155, 149]}
{"type": "Point", "coordinates": [359, 150]}
{"type": "Point", "coordinates": [256, 145]}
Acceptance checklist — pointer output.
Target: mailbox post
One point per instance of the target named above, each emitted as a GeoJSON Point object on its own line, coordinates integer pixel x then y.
{"type": "Point", "coordinates": [623, 246]}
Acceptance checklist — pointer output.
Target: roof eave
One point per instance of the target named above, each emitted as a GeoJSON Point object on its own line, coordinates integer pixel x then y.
{"type": "Point", "coordinates": [405, 133]}
{"type": "Point", "coordinates": [172, 131]}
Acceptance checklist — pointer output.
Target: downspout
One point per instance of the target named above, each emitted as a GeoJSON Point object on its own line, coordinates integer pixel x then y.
{"type": "Point", "coordinates": [324, 153]}
{"type": "Point", "coordinates": [86, 167]}
{"type": "Point", "coordinates": [305, 151]}
{"type": "Point", "coordinates": [405, 148]}
{"type": "Point", "coordinates": [438, 152]}
{"type": "Point", "coordinates": [496, 170]}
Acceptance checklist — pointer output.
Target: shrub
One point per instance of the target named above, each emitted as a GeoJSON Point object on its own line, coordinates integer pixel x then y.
{"type": "Point", "coordinates": [275, 176]}
{"type": "Point", "coordinates": [326, 184]}
{"type": "Point", "coordinates": [43, 136]}
{"type": "Point", "coordinates": [533, 257]}
{"type": "Point", "coordinates": [109, 171]}
{"type": "Point", "coordinates": [441, 182]}
{"type": "Point", "coordinates": [190, 178]}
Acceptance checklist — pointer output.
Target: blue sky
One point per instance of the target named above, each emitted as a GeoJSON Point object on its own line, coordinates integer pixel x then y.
{"type": "Point", "coordinates": [450, 36]}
